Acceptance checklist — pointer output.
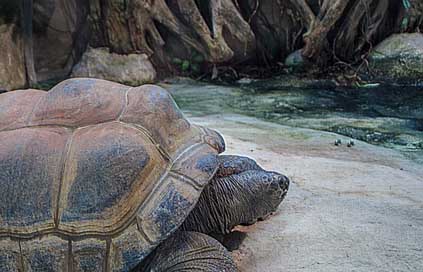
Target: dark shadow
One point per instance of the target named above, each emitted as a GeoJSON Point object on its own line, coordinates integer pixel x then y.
{"type": "Point", "coordinates": [418, 124]}
{"type": "Point", "coordinates": [205, 11]}
{"type": "Point", "coordinates": [231, 241]}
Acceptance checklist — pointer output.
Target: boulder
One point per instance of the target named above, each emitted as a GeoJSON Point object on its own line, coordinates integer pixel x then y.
{"type": "Point", "coordinates": [132, 69]}
{"type": "Point", "coordinates": [295, 61]}
{"type": "Point", "coordinates": [399, 59]}
{"type": "Point", "coordinates": [12, 62]}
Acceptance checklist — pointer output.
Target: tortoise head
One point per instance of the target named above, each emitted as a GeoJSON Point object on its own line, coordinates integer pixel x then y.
{"type": "Point", "coordinates": [275, 188]}
{"type": "Point", "coordinates": [264, 191]}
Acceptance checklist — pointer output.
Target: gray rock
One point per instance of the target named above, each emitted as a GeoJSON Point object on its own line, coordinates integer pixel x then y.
{"type": "Point", "coordinates": [295, 60]}
{"type": "Point", "coordinates": [12, 62]}
{"type": "Point", "coordinates": [132, 69]}
{"type": "Point", "coordinates": [399, 59]}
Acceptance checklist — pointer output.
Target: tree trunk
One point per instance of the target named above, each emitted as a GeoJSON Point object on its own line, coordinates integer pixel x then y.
{"type": "Point", "coordinates": [316, 37]}
{"type": "Point", "coordinates": [226, 32]}
{"type": "Point", "coordinates": [26, 22]}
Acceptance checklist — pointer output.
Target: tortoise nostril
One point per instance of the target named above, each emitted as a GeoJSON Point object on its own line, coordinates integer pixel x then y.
{"type": "Point", "coordinates": [283, 182]}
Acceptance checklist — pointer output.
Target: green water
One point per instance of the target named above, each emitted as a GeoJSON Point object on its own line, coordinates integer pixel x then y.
{"type": "Point", "coordinates": [387, 116]}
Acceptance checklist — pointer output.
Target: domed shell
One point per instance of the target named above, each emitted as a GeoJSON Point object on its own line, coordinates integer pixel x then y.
{"type": "Point", "coordinates": [95, 174]}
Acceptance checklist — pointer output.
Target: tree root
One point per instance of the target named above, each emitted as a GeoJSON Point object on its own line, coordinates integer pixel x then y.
{"type": "Point", "coordinates": [136, 25]}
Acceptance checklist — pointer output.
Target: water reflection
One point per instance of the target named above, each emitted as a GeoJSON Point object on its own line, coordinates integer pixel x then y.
{"type": "Point", "coordinates": [388, 116]}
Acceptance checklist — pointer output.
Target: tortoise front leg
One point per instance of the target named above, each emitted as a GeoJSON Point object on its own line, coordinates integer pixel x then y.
{"type": "Point", "coordinates": [240, 194]}
{"type": "Point", "coordinates": [189, 251]}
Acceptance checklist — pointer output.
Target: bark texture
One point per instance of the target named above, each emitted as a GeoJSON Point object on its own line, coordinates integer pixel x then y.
{"type": "Point", "coordinates": [221, 32]}
{"type": "Point", "coordinates": [258, 31]}
{"type": "Point", "coordinates": [345, 29]}
{"type": "Point", "coordinates": [12, 63]}
{"type": "Point", "coordinates": [165, 29]}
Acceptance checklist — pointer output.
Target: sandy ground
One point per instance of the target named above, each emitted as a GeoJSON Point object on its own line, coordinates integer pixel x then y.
{"type": "Point", "coordinates": [348, 209]}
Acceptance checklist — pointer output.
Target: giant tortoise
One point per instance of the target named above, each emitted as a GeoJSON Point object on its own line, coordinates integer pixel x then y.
{"type": "Point", "coordinates": [98, 176]}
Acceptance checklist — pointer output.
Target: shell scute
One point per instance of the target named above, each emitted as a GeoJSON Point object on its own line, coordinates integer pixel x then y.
{"type": "Point", "coordinates": [30, 163]}
{"type": "Point", "coordinates": [109, 170]}
{"type": "Point", "coordinates": [10, 257]}
{"type": "Point", "coordinates": [89, 255]}
{"type": "Point", "coordinates": [48, 254]}
{"type": "Point", "coordinates": [16, 107]}
{"type": "Point", "coordinates": [128, 249]}
{"type": "Point", "coordinates": [80, 102]}
{"type": "Point", "coordinates": [153, 108]}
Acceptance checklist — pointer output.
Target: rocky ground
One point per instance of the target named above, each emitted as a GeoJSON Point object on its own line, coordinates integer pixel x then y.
{"type": "Point", "coordinates": [348, 209]}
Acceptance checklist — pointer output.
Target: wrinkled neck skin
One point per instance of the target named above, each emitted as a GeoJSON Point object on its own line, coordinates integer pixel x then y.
{"type": "Point", "coordinates": [230, 201]}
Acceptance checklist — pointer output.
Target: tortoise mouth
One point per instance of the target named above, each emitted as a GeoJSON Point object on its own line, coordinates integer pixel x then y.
{"type": "Point", "coordinates": [266, 216]}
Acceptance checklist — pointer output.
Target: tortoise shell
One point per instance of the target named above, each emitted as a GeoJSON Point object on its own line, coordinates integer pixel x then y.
{"type": "Point", "coordinates": [95, 174]}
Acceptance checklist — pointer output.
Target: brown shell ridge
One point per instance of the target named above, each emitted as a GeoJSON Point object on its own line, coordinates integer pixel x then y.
{"type": "Point", "coordinates": [107, 255]}
{"type": "Point", "coordinates": [153, 191]}
{"type": "Point", "coordinates": [21, 257]}
{"type": "Point", "coordinates": [146, 133]}
{"type": "Point", "coordinates": [38, 126]}
{"type": "Point", "coordinates": [142, 232]}
{"type": "Point", "coordinates": [60, 126]}
{"type": "Point", "coordinates": [125, 105]}
{"type": "Point", "coordinates": [29, 117]}
{"type": "Point", "coordinates": [189, 149]}
{"type": "Point", "coordinates": [31, 113]}
{"type": "Point", "coordinates": [64, 160]}
{"type": "Point", "coordinates": [184, 178]}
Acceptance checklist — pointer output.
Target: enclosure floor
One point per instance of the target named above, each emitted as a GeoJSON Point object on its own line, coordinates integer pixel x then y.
{"type": "Point", "coordinates": [348, 209]}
